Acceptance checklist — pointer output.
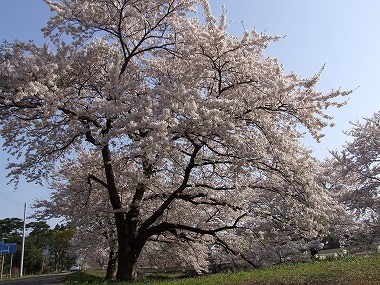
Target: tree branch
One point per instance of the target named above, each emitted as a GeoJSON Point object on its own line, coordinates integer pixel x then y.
{"type": "Point", "coordinates": [153, 218]}
{"type": "Point", "coordinates": [166, 226]}
{"type": "Point", "coordinates": [96, 179]}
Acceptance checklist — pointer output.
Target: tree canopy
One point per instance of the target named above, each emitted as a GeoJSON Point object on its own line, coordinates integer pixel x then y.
{"type": "Point", "coordinates": [190, 133]}
{"type": "Point", "coordinates": [355, 173]}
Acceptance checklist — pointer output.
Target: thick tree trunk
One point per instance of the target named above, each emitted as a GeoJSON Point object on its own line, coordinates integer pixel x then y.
{"type": "Point", "coordinates": [128, 254]}
{"type": "Point", "coordinates": [128, 247]}
{"type": "Point", "coordinates": [127, 270]}
{"type": "Point", "coordinates": [123, 255]}
{"type": "Point", "coordinates": [111, 266]}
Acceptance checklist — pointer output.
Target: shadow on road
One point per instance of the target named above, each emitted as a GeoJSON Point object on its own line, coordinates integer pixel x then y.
{"type": "Point", "coordinates": [51, 279]}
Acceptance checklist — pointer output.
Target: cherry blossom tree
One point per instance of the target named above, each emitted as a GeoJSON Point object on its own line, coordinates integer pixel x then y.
{"type": "Point", "coordinates": [85, 206]}
{"type": "Point", "coordinates": [191, 124]}
{"type": "Point", "coordinates": [355, 173]}
{"type": "Point", "coordinates": [274, 231]}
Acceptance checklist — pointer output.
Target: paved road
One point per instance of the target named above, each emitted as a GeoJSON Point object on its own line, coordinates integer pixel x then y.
{"type": "Point", "coordinates": [52, 279]}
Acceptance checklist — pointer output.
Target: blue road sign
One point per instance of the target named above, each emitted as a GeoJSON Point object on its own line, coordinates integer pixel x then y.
{"type": "Point", "coordinates": [7, 248]}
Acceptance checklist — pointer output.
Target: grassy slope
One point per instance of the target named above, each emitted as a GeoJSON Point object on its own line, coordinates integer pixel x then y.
{"type": "Point", "coordinates": [360, 270]}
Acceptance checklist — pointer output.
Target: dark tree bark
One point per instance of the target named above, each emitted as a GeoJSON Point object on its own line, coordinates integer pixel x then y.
{"type": "Point", "coordinates": [121, 225]}
{"type": "Point", "coordinates": [129, 248]}
{"type": "Point", "coordinates": [111, 266]}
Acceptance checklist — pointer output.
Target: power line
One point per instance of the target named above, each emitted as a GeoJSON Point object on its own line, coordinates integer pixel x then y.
{"type": "Point", "coordinates": [10, 200]}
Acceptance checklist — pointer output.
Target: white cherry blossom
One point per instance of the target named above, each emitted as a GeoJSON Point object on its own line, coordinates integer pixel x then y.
{"type": "Point", "coordinates": [192, 132]}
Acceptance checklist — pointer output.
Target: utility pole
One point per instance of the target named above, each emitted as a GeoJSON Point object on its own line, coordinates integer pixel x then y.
{"type": "Point", "coordinates": [23, 243]}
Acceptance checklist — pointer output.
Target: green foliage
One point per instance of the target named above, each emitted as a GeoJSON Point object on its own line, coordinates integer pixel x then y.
{"type": "Point", "coordinates": [33, 258]}
{"type": "Point", "coordinates": [349, 271]}
{"type": "Point", "coordinates": [11, 228]}
{"type": "Point", "coordinates": [46, 249]}
{"type": "Point", "coordinates": [59, 244]}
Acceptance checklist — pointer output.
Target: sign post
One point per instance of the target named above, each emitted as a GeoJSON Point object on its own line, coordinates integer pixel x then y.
{"type": "Point", "coordinates": [10, 268]}
{"type": "Point", "coordinates": [2, 267]}
{"type": "Point", "coordinates": [2, 261]}
{"type": "Point", "coordinates": [6, 248]}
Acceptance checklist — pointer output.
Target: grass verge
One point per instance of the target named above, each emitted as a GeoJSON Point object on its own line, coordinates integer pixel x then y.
{"type": "Point", "coordinates": [358, 270]}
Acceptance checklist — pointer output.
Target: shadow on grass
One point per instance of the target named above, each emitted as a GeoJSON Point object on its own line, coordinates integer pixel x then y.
{"type": "Point", "coordinates": [167, 276]}
{"type": "Point", "coordinates": [82, 277]}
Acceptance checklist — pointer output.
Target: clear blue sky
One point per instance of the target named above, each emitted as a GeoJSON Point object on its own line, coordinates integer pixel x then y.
{"type": "Point", "coordinates": [343, 34]}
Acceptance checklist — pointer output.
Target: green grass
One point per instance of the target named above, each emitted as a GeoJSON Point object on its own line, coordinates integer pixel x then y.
{"type": "Point", "coordinates": [360, 270]}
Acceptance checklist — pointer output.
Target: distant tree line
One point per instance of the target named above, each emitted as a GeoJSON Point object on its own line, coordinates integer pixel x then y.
{"type": "Point", "coordinates": [46, 249]}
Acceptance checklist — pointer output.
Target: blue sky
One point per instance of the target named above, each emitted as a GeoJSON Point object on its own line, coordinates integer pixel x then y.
{"type": "Point", "coordinates": [343, 34]}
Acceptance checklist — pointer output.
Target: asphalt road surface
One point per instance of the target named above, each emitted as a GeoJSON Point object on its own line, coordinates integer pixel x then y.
{"type": "Point", "coordinates": [52, 279]}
